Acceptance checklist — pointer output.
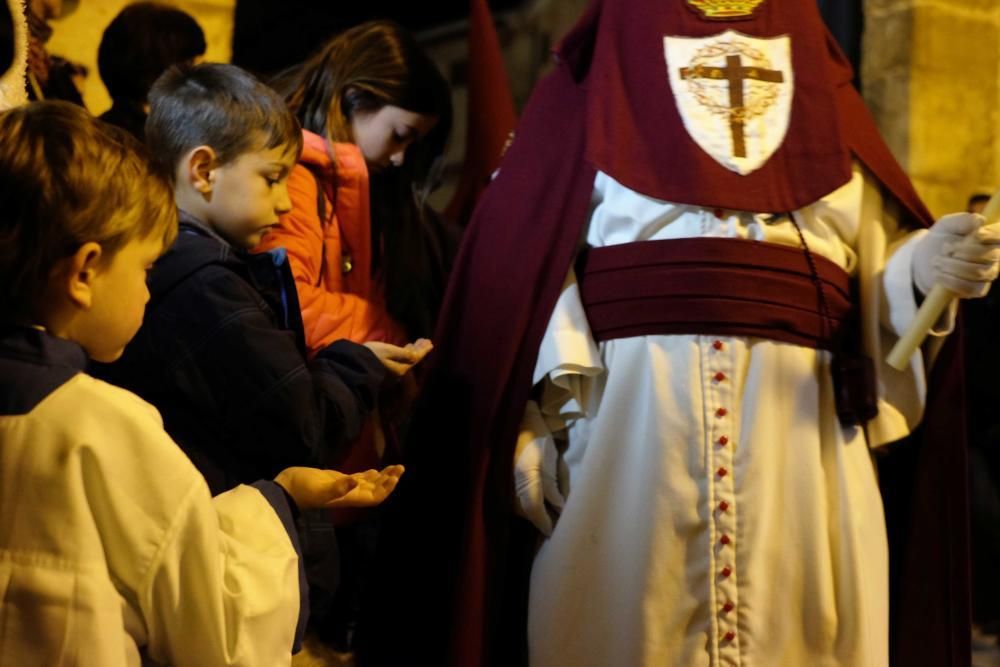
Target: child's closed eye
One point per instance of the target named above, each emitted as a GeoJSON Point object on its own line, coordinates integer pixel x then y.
{"type": "Point", "coordinates": [405, 136]}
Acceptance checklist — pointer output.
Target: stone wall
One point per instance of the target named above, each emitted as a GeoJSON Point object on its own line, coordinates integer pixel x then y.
{"type": "Point", "coordinates": [931, 77]}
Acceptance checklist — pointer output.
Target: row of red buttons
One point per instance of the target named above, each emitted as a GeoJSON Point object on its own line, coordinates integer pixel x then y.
{"type": "Point", "coordinates": [721, 412]}
{"type": "Point", "coordinates": [723, 505]}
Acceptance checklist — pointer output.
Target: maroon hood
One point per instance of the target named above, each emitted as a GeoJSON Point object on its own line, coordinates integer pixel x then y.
{"type": "Point", "coordinates": [634, 131]}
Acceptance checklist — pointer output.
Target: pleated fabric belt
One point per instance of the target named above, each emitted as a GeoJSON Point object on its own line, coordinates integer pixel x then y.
{"type": "Point", "coordinates": [728, 287]}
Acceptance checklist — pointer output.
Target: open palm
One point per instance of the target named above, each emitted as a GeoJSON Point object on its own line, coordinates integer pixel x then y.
{"type": "Point", "coordinates": [313, 488]}
{"type": "Point", "coordinates": [373, 486]}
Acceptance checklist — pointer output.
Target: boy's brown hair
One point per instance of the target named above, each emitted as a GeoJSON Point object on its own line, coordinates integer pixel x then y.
{"type": "Point", "coordinates": [215, 105]}
{"type": "Point", "coordinates": [67, 179]}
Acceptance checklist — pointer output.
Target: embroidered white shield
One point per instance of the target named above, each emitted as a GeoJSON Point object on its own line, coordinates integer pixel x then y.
{"type": "Point", "coordinates": [734, 94]}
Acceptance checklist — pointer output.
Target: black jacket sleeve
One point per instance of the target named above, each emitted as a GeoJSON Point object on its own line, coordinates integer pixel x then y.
{"type": "Point", "coordinates": [238, 381]}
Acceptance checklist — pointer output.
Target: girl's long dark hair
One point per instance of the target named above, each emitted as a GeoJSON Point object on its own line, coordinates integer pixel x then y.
{"type": "Point", "coordinates": [360, 71]}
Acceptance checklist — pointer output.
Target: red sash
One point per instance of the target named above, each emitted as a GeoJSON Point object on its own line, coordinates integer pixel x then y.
{"type": "Point", "coordinates": [727, 287]}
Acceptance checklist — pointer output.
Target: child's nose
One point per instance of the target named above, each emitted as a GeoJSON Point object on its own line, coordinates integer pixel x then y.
{"type": "Point", "coordinates": [284, 203]}
{"type": "Point", "coordinates": [397, 158]}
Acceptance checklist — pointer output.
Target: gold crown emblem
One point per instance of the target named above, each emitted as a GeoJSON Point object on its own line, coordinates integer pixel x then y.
{"type": "Point", "coordinates": [724, 10]}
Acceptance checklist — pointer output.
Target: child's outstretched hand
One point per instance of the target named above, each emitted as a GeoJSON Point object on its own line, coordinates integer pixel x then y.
{"type": "Point", "coordinates": [312, 488]}
{"type": "Point", "coordinates": [399, 360]}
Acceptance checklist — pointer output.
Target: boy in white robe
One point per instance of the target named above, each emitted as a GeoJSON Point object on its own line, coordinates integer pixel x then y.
{"type": "Point", "coordinates": [112, 551]}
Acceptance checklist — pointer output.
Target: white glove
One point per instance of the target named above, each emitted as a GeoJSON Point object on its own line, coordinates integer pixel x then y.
{"type": "Point", "coordinates": [958, 253]}
{"type": "Point", "coordinates": [536, 466]}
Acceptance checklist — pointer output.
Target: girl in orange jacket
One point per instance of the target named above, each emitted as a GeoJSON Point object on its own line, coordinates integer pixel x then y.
{"type": "Point", "coordinates": [367, 261]}
{"type": "Point", "coordinates": [375, 112]}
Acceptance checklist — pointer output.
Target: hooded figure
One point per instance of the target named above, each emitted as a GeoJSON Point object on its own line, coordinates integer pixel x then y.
{"type": "Point", "coordinates": [662, 346]}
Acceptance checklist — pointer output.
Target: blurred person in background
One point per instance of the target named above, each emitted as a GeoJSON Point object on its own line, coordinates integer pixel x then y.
{"type": "Point", "coordinates": [137, 47]}
{"type": "Point", "coordinates": [50, 77]}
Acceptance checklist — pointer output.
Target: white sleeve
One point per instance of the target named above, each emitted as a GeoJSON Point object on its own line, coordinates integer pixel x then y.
{"type": "Point", "coordinates": [196, 581]}
{"type": "Point", "coordinates": [211, 582]}
{"type": "Point", "coordinates": [888, 305]}
{"type": "Point", "coordinates": [224, 587]}
{"type": "Point", "coordinates": [844, 211]}
{"type": "Point", "coordinates": [568, 359]}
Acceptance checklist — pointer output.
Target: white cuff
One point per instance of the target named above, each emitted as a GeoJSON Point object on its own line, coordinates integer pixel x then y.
{"type": "Point", "coordinates": [900, 294]}
{"type": "Point", "coordinates": [568, 356]}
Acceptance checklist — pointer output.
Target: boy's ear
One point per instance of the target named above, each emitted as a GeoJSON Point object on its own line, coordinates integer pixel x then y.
{"type": "Point", "coordinates": [81, 269]}
{"type": "Point", "coordinates": [199, 169]}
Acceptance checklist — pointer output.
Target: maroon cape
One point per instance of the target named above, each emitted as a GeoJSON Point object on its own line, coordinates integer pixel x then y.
{"type": "Point", "coordinates": [453, 557]}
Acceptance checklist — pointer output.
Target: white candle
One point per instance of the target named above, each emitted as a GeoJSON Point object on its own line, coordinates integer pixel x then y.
{"type": "Point", "coordinates": [935, 304]}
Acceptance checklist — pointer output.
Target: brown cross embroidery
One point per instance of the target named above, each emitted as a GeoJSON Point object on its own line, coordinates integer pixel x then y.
{"type": "Point", "coordinates": [735, 73]}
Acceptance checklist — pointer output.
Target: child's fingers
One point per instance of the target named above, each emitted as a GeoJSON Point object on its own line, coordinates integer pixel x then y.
{"type": "Point", "coordinates": [396, 367]}
{"type": "Point", "coordinates": [343, 486]}
{"type": "Point", "coordinates": [388, 353]}
{"type": "Point", "coordinates": [371, 475]}
{"type": "Point", "coordinates": [421, 347]}
{"type": "Point", "coordinates": [405, 354]}
{"type": "Point", "coordinates": [389, 488]}
{"type": "Point", "coordinates": [388, 482]}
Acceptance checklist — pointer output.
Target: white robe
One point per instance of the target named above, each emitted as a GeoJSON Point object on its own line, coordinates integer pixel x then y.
{"type": "Point", "coordinates": [717, 511]}
{"type": "Point", "coordinates": [113, 553]}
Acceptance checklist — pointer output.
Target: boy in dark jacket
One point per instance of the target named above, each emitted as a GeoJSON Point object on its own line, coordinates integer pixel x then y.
{"type": "Point", "coordinates": [221, 352]}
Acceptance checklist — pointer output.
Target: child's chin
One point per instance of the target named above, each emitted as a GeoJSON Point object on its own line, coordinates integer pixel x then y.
{"type": "Point", "coordinates": [249, 242]}
{"type": "Point", "coordinates": [106, 357]}
{"type": "Point", "coordinates": [254, 240]}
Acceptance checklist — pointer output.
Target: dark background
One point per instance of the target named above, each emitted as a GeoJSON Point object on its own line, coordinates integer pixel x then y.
{"type": "Point", "coordinates": [296, 28]}
{"type": "Point", "coordinates": [270, 35]}
{"type": "Point", "coordinates": [846, 21]}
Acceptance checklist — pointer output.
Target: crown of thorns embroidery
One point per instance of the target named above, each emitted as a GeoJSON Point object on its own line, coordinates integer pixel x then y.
{"type": "Point", "coordinates": [737, 90]}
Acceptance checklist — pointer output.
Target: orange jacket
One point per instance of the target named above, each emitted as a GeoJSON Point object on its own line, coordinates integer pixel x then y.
{"type": "Point", "coordinates": [331, 259]}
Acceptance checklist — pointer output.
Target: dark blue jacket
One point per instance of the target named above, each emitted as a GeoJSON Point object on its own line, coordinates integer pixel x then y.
{"type": "Point", "coordinates": [221, 354]}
